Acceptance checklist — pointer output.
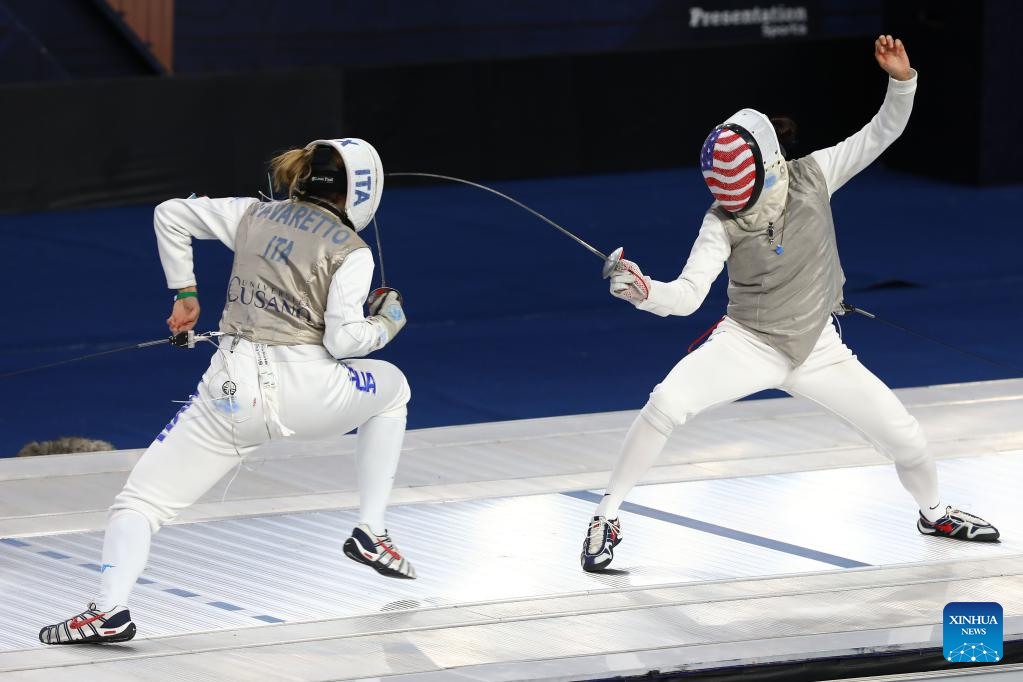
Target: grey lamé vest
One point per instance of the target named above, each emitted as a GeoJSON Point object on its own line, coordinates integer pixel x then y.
{"type": "Point", "coordinates": [285, 254]}
{"type": "Point", "coordinates": [786, 299]}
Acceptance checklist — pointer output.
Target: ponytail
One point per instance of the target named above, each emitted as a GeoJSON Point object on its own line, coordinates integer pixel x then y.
{"type": "Point", "coordinates": [290, 168]}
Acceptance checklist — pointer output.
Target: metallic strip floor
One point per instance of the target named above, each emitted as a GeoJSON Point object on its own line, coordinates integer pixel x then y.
{"type": "Point", "coordinates": [714, 569]}
{"type": "Point", "coordinates": [507, 552]}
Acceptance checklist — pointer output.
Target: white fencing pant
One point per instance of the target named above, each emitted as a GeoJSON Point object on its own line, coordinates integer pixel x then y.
{"type": "Point", "coordinates": [734, 363]}
{"type": "Point", "coordinates": [237, 408]}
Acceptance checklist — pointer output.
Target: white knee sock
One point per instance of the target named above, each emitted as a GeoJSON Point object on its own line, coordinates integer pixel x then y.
{"type": "Point", "coordinates": [377, 451]}
{"type": "Point", "coordinates": [642, 446]}
{"type": "Point", "coordinates": [921, 480]}
{"type": "Point", "coordinates": [125, 552]}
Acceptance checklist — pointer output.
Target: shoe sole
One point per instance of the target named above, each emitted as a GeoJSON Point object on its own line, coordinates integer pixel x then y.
{"type": "Point", "coordinates": [351, 551]}
{"type": "Point", "coordinates": [963, 538]}
{"type": "Point", "coordinates": [129, 633]}
{"type": "Point", "coordinates": [979, 538]}
{"type": "Point", "coordinates": [597, 568]}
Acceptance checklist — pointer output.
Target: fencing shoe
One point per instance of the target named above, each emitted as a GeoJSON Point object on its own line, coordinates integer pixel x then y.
{"type": "Point", "coordinates": [92, 626]}
{"type": "Point", "coordinates": [379, 552]}
{"type": "Point", "coordinates": [602, 537]}
{"type": "Point", "coordinates": [959, 525]}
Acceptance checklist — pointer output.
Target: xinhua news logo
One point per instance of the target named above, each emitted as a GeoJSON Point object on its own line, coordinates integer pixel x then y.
{"type": "Point", "coordinates": [972, 632]}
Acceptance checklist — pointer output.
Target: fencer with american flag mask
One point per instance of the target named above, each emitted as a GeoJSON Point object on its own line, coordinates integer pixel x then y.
{"type": "Point", "coordinates": [771, 223]}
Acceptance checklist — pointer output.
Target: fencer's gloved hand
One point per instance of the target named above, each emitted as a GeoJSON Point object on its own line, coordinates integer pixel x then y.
{"type": "Point", "coordinates": [376, 298]}
{"type": "Point", "coordinates": [385, 309]}
{"type": "Point", "coordinates": [629, 283]}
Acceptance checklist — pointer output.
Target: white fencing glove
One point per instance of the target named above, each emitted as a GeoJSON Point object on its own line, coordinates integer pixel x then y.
{"type": "Point", "coordinates": [629, 283]}
{"type": "Point", "coordinates": [385, 309]}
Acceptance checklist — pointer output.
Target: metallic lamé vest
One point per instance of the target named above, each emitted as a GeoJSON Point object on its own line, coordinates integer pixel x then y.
{"type": "Point", "coordinates": [285, 255]}
{"type": "Point", "coordinates": [786, 299]}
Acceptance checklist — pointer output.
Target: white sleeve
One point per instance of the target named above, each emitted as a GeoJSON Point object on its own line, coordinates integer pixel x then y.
{"type": "Point", "coordinates": [685, 294]}
{"type": "Point", "coordinates": [847, 158]}
{"type": "Point", "coordinates": [348, 333]}
{"type": "Point", "coordinates": [178, 221]}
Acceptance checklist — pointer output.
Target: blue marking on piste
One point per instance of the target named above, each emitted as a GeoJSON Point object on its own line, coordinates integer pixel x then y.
{"type": "Point", "coordinates": [176, 591]}
{"type": "Point", "coordinates": [722, 531]}
{"type": "Point", "coordinates": [268, 619]}
{"type": "Point", "coordinates": [54, 555]}
{"type": "Point", "coordinates": [224, 605]}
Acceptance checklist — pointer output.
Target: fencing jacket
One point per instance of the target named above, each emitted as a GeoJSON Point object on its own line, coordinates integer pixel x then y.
{"type": "Point", "coordinates": [300, 276]}
{"type": "Point", "coordinates": [786, 298]}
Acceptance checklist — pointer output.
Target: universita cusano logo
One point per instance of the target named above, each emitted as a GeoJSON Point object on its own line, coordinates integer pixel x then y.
{"type": "Point", "coordinates": [972, 632]}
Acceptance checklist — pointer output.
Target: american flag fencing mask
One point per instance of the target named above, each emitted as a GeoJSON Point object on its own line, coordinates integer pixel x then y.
{"type": "Point", "coordinates": [741, 158]}
{"type": "Point", "coordinates": [732, 166]}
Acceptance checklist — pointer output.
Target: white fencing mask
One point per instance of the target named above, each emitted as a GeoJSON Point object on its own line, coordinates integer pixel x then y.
{"type": "Point", "coordinates": [361, 178]}
{"type": "Point", "coordinates": [740, 159]}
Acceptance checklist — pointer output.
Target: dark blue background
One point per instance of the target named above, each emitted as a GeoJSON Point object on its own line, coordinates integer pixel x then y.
{"type": "Point", "coordinates": [508, 318]}
{"type": "Point", "coordinates": [241, 35]}
{"type": "Point", "coordinates": [67, 39]}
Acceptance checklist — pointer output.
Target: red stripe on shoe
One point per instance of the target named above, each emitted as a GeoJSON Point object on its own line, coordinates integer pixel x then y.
{"type": "Point", "coordinates": [76, 624]}
{"type": "Point", "coordinates": [389, 550]}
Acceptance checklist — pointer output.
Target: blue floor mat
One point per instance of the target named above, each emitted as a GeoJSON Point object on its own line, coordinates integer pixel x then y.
{"type": "Point", "coordinates": [508, 318]}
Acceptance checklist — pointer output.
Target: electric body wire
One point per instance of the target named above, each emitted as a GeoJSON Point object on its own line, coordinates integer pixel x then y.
{"type": "Point", "coordinates": [380, 252]}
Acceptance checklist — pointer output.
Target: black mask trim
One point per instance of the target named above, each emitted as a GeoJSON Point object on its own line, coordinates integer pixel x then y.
{"type": "Point", "coordinates": [326, 175]}
{"type": "Point", "coordinates": [758, 160]}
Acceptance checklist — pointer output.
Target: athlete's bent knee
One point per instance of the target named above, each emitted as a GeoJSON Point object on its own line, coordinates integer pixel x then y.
{"type": "Point", "coordinates": [658, 418]}
{"type": "Point", "coordinates": [665, 411]}
{"type": "Point", "coordinates": [156, 514]}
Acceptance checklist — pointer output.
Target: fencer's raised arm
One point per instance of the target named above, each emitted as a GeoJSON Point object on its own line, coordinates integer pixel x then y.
{"type": "Point", "coordinates": [847, 158]}
{"type": "Point", "coordinates": [684, 295]}
{"type": "Point", "coordinates": [349, 333]}
{"type": "Point", "coordinates": [178, 221]}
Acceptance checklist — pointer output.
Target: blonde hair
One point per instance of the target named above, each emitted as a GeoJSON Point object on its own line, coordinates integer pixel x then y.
{"type": "Point", "coordinates": [290, 168]}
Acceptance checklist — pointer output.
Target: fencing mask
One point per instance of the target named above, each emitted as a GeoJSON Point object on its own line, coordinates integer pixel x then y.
{"type": "Point", "coordinates": [361, 176]}
{"type": "Point", "coordinates": [740, 159]}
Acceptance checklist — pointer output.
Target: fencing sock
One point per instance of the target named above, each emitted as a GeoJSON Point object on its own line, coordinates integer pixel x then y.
{"type": "Point", "coordinates": [642, 446]}
{"type": "Point", "coordinates": [921, 480]}
{"type": "Point", "coordinates": [125, 552]}
{"type": "Point", "coordinates": [377, 451]}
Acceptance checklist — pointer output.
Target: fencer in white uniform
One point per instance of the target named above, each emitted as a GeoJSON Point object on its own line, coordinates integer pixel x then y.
{"type": "Point", "coordinates": [771, 223]}
{"type": "Point", "coordinates": [292, 324]}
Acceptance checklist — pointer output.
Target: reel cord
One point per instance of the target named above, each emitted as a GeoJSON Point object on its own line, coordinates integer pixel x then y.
{"type": "Point", "coordinates": [894, 325]}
